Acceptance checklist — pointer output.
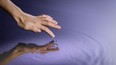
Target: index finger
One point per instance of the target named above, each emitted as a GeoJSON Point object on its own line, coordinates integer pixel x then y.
{"type": "Point", "coordinates": [48, 31]}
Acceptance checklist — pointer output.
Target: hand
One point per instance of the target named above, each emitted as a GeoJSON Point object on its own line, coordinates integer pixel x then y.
{"type": "Point", "coordinates": [37, 23]}
{"type": "Point", "coordinates": [27, 21]}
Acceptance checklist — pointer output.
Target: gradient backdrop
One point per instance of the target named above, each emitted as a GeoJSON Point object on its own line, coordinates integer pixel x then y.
{"type": "Point", "coordinates": [80, 20]}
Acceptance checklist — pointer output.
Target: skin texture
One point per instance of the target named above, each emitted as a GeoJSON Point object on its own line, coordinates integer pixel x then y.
{"type": "Point", "coordinates": [29, 22]}
{"type": "Point", "coordinates": [23, 48]}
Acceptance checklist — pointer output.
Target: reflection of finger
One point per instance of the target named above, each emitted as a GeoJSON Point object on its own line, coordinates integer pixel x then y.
{"type": "Point", "coordinates": [53, 49]}
{"type": "Point", "coordinates": [47, 31]}
{"type": "Point", "coordinates": [51, 24]}
{"type": "Point", "coordinates": [43, 52]}
{"type": "Point", "coordinates": [33, 50]}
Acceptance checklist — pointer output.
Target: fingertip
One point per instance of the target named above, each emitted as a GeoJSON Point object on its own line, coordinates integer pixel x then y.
{"type": "Point", "coordinates": [55, 22]}
{"type": "Point", "coordinates": [36, 30]}
{"type": "Point", "coordinates": [59, 27]}
{"type": "Point", "coordinates": [44, 15]}
{"type": "Point", "coordinates": [53, 36]}
{"type": "Point", "coordinates": [39, 30]}
{"type": "Point", "coordinates": [48, 31]}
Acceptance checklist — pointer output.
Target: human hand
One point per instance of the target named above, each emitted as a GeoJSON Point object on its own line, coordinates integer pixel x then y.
{"type": "Point", "coordinates": [37, 23]}
{"type": "Point", "coordinates": [27, 21]}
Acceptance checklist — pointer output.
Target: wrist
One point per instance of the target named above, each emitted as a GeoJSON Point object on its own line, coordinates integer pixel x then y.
{"type": "Point", "coordinates": [17, 15]}
{"type": "Point", "coordinates": [11, 8]}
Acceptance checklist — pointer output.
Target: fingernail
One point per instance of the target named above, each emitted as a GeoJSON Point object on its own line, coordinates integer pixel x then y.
{"type": "Point", "coordinates": [55, 22]}
{"type": "Point", "coordinates": [39, 30]}
{"type": "Point", "coordinates": [59, 27]}
{"type": "Point", "coordinates": [53, 36]}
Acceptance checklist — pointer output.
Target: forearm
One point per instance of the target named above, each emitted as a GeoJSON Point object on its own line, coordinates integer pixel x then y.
{"type": "Point", "coordinates": [11, 8]}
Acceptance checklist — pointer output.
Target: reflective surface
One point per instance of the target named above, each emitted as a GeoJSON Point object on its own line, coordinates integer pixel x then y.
{"type": "Point", "coordinates": [23, 48]}
{"type": "Point", "coordinates": [97, 18]}
{"type": "Point", "coordinates": [74, 49]}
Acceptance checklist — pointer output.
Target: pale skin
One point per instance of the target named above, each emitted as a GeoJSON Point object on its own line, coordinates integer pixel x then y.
{"type": "Point", "coordinates": [30, 22]}
{"type": "Point", "coordinates": [20, 49]}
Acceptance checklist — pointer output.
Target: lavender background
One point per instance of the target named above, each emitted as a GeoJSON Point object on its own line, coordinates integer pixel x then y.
{"type": "Point", "coordinates": [95, 18]}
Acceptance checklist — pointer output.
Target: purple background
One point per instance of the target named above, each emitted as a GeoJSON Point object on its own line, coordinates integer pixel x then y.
{"type": "Point", "coordinates": [96, 18]}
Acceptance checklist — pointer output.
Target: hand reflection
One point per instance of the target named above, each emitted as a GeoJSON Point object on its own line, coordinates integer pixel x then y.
{"type": "Point", "coordinates": [22, 48]}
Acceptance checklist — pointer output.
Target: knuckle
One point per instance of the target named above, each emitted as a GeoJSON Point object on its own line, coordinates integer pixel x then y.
{"type": "Point", "coordinates": [45, 29]}
{"type": "Point", "coordinates": [45, 22]}
{"type": "Point", "coordinates": [48, 23]}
